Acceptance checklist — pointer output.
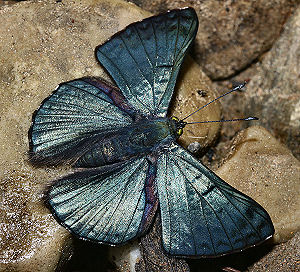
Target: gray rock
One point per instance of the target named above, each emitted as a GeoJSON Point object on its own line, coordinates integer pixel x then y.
{"type": "Point", "coordinates": [154, 259]}
{"type": "Point", "coordinates": [274, 92]}
{"type": "Point", "coordinates": [232, 34]}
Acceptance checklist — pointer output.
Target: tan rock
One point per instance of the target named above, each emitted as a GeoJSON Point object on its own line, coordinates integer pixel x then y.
{"type": "Point", "coordinates": [44, 43]}
{"type": "Point", "coordinates": [266, 170]}
{"type": "Point", "coordinates": [188, 99]}
{"type": "Point", "coordinates": [29, 237]}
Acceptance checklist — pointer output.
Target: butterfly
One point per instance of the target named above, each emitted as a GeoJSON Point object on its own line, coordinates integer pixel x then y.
{"type": "Point", "coordinates": [124, 145]}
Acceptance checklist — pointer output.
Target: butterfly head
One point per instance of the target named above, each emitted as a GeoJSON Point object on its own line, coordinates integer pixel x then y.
{"type": "Point", "coordinates": [178, 126]}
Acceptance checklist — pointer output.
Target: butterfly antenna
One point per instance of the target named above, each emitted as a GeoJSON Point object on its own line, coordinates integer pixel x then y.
{"type": "Point", "coordinates": [239, 87]}
{"type": "Point", "coordinates": [219, 121]}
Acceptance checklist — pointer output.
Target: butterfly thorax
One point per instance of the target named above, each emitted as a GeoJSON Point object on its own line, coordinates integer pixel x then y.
{"type": "Point", "coordinates": [142, 137]}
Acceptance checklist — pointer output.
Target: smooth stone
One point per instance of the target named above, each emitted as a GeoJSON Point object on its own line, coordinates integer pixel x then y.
{"type": "Point", "coordinates": [29, 237]}
{"type": "Point", "coordinates": [125, 257]}
{"type": "Point", "coordinates": [194, 91]}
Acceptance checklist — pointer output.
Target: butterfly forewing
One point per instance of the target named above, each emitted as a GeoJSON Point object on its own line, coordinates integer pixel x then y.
{"type": "Point", "coordinates": [74, 117]}
{"type": "Point", "coordinates": [201, 214]}
{"type": "Point", "coordinates": [145, 58]}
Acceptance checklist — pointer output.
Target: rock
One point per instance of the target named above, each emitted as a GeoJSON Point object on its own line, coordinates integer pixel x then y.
{"type": "Point", "coordinates": [126, 257]}
{"type": "Point", "coordinates": [29, 237]}
{"type": "Point", "coordinates": [266, 170]}
{"type": "Point", "coordinates": [4, 3]}
{"type": "Point", "coordinates": [42, 44]}
{"type": "Point", "coordinates": [154, 259]}
{"type": "Point", "coordinates": [189, 98]}
{"type": "Point", "coordinates": [282, 258]}
{"type": "Point", "coordinates": [232, 34]}
{"type": "Point", "coordinates": [274, 92]}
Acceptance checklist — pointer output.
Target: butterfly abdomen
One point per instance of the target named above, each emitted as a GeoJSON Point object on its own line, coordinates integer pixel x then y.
{"type": "Point", "coordinates": [104, 152]}
{"type": "Point", "coordinates": [140, 138]}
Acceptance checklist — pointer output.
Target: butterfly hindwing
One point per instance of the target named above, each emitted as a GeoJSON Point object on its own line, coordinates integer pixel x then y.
{"type": "Point", "coordinates": [105, 204]}
{"type": "Point", "coordinates": [74, 117]}
{"type": "Point", "coordinates": [201, 214]}
{"type": "Point", "coordinates": [144, 59]}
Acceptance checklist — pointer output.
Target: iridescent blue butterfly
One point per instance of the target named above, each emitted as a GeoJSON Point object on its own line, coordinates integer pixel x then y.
{"type": "Point", "coordinates": [125, 145]}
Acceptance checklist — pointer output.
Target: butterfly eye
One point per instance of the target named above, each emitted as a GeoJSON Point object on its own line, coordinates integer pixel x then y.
{"type": "Point", "coordinates": [178, 126]}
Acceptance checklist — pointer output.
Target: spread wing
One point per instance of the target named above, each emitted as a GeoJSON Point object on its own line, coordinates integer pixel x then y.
{"type": "Point", "coordinates": [74, 117]}
{"type": "Point", "coordinates": [108, 204]}
{"type": "Point", "coordinates": [201, 214]}
{"type": "Point", "coordinates": [144, 59]}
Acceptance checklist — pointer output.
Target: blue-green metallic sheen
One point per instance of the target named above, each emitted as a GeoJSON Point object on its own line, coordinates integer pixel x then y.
{"type": "Point", "coordinates": [71, 120]}
{"type": "Point", "coordinates": [201, 214]}
{"type": "Point", "coordinates": [141, 137]}
{"type": "Point", "coordinates": [144, 59]}
{"type": "Point", "coordinates": [104, 205]}
{"type": "Point", "coordinates": [125, 148]}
